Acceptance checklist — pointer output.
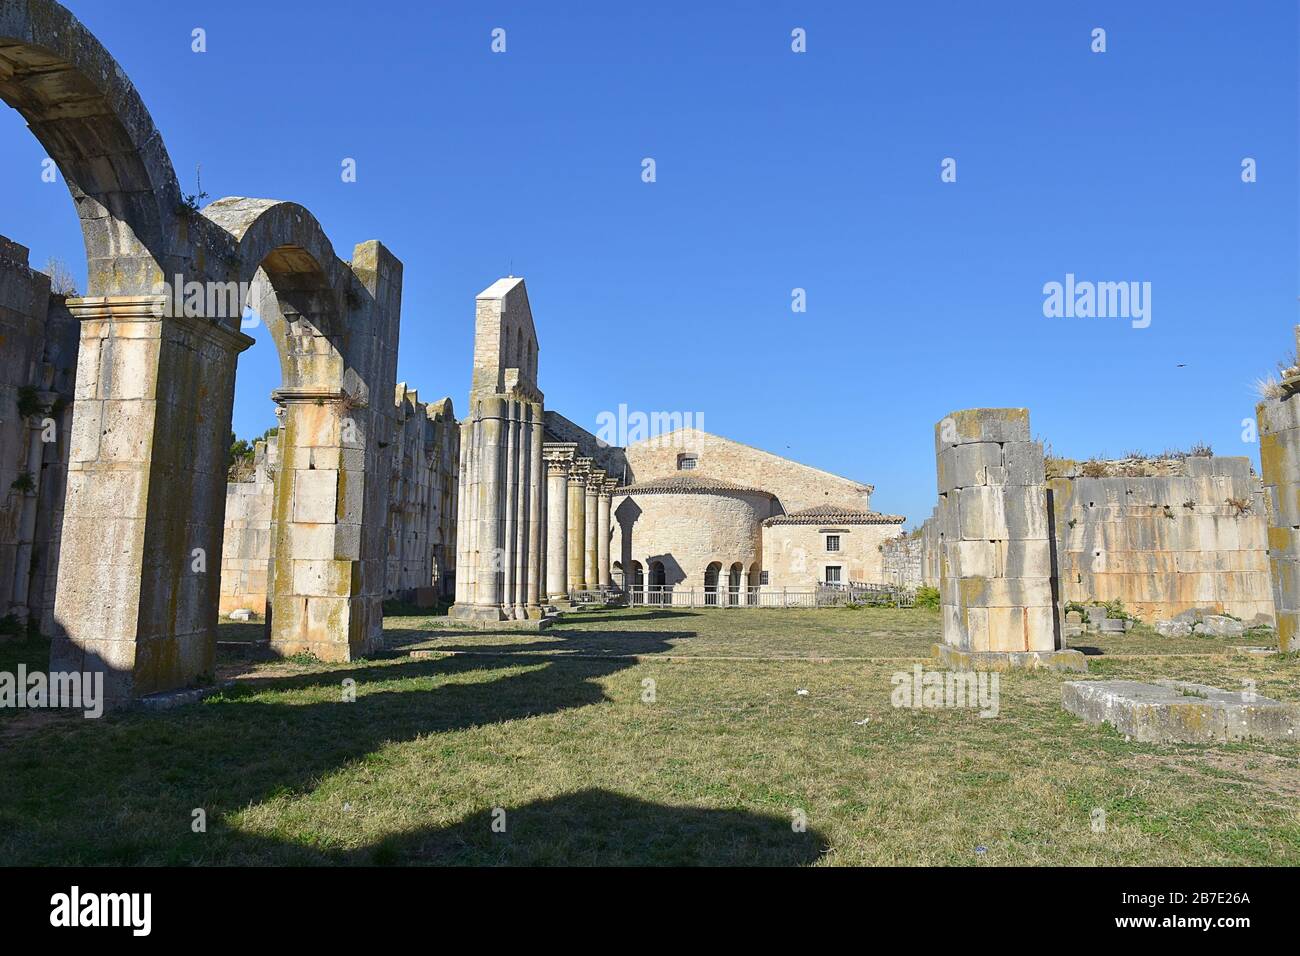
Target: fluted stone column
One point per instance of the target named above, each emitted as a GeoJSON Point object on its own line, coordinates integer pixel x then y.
{"type": "Point", "coordinates": [536, 490]}
{"type": "Point", "coordinates": [604, 497]}
{"type": "Point", "coordinates": [591, 547]}
{"type": "Point", "coordinates": [559, 462]}
{"type": "Point", "coordinates": [577, 546]}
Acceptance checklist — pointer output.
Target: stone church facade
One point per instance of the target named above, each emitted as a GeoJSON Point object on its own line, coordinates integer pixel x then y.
{"type": "Point", "coordinates": [547, 509]}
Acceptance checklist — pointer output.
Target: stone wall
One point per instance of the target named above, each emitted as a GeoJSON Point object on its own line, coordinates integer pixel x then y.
{"type": "Point", "coordinates": [795, 548]}
{"type": "Point", "coordinates": [1193, 534]}
{"type": "Point", "coordinates": [38, 365]}
{"type": "Point", "coordinates": [995, 587]}
{"type": "Point", "coordinates": [903, 560]}
{"type": "Point", "coordinates": [687, 529]}
{"type": "Point", "coordinates": [422, 452]}
{"type": "Point", "coordinates": [246, 544]}
{"type": "Point", "coordinates": [1278, 416]}
{"type": "Point", "coordinates": [798, 486]}
{"type": "Point", "coordinates": [1163, 536]}
{"type": "Point", "coordinates": [422, 500]}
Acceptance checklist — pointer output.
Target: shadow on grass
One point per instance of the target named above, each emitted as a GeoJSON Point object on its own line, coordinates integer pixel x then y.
{"type": "Point", "coordinates": [123, 790]}
{"type": "Point", "coordinates": [600, 828]}
{"type": "Point", "coordinates": [557, 641]}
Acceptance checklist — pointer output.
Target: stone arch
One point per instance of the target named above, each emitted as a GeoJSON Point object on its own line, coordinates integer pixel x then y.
{"type": "Point", "coordinates": [734, 575]}
{"type": "Point", "coordinates": [80, 105]}
{"type": "Point", "coordinates": [712, 583]}
{"type": "Point", "coordinates": [137, 590]}
{"type": "Point", "coordinates": [332, 333]}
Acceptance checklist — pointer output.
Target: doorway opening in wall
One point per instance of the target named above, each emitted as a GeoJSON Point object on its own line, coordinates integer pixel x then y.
{"type": "Point", "coordinates": [255, 456]}
{"type": "Point", "coordinates": [713, 583]}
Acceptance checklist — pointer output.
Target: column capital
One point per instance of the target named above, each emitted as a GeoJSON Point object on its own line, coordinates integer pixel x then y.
{"type": "Point", "coordinates": [595, 480]}
{"type": "Point", "coordinates": [120, 309]}
{"type": "Point", "coordinates": [608, 486]}
{"type": "Point", "coordinates": [580, 472]}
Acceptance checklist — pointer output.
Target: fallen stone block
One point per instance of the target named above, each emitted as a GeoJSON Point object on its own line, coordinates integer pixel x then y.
{"type": "Point", "coordinates": [1174, 628]}
{"type": "Point", "coordinates": [1181, 712]}
{"type": "Point", "coordinates": [1216, 625]}
{"type": "Point", "coordinates": [241, 614]}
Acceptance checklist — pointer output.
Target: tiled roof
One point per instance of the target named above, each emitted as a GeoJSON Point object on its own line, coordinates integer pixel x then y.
{"type": "Point", "coordinates": [690, 485]}
{"type": "Point", "coordinates": [832, 514]}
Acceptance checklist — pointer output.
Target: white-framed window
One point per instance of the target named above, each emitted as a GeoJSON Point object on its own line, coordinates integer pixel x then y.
{"type": "Point", "coordinates": [687, 462]}
{"type": "Point", "coordinates": [832, 542]}
{"type": "Point", "coordinates": [833, 574]}
{"type": "Point", "coordinates": [763, 577]}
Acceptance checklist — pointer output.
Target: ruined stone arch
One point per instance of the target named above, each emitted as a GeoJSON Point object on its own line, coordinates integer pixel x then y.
{"type": "Point", "coordinates": [80, 105]}
{"type": "Point", "coordinates": [138, 577]}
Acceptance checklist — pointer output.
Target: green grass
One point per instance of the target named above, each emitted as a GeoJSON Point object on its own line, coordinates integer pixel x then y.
{"type": "Point", "coordinates": [559, 730]}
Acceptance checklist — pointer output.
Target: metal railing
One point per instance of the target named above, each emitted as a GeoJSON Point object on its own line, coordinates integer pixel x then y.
{"type": "Point", "coordinates": [881, 595]}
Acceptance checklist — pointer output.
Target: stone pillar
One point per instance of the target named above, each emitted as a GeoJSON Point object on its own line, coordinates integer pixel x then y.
{"type": "Point", "coordinates": [536, 519]}
{"type": "Point", "coordinates": [510, 514]}
{"type": "Point", "coordinates": [577, 546]}
{"type": "Point", "coordinates": [318, 582]}
{"type": "Point", "coordinates": [1279, 455]}
{"type": "Point", "coordinates": [995, 590]}
{"type": "Point", "coordinates": [138, 577]}
{"type": "Point", "coordinates": [605, 495]}
{"type": "Point", "coordinates": [592, 515]}
{"type": "Point", "coordinates": [743, 598]}
{"type": "Point", "coordinates": [558, 464]}
{"type": "Point", "coordinates": [462, 519]}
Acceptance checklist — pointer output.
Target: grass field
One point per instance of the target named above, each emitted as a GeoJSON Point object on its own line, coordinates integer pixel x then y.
{"type": "Point", "coordinates": [642, 736]}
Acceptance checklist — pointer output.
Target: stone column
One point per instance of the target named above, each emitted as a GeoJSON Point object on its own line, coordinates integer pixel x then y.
{"type": "Point", "coordinates": [140, 555]}
{"type": "Point", "coordinates": [485, 553]}
{"type": "Point", "coordinates": [995, 590]}
{"type": "Point", "coordinates": [591, 547]}
{"type": "Point", "coordinates": [605, 495]}
{"type": "Point", "coordinates": [1279, 455]}
{"type": "Point", "coordinates": [536, 520]}
{"type": "Point", "coordinates": [509, 504]}
{"type": "Point", "coordinates": [558, 464]}
{"type": "Point", "coordinates": [577, 546]}
{"type": "Point", "coordinates": [462, 519]}
{"type": "Point", "coordinates": [743, 598]}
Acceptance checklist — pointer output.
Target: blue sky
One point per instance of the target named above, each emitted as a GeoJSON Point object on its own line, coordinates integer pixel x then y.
{"type": "Point", "coordinates": [775, 170]}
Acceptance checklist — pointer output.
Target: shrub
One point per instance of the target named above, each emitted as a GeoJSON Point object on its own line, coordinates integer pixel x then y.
{"type": "Point", "coordinates": [927, 597]}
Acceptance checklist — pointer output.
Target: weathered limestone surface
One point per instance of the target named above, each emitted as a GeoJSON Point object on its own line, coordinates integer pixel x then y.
{"type": "Point", "coordinates": [796, 552]}
{"type": "Point", "coordinates": [1194, 537]}
{"type": "Point", "coordinates": [137, 592]}
{"type": "Point", "coordinates": [425, 455]}
{"type": "Point", "coordinates": [1181, 712]}
{"type": "Point", "coordinates": [686, 524]}
{"type": "Point", "coordinates": [798, 486]}
{"type": "Point", "coordinates": [38, 366]}
{"type": "Point", "coordinates": [995, 587]}
{"type": "Point", "coordinates": [246, 545]}
{"type": "Point", "coordinates": [502, 472]}
{"type": "Point", "coordinates": [1279, 455]}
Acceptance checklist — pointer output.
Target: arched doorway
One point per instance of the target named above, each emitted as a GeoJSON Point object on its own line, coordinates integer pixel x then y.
{"type": "Point", "coordinates": [711, 584]}
{"type": "Point", "coordinates": [659, 592]}
{"type": "Point", "coordinates": [638, 583]}
{"type": "Point", "coordinates": [734, 576]}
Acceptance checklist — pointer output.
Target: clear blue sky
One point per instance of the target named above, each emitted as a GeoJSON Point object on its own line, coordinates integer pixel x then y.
{"type": "Point", "coordinates": [775, 170]}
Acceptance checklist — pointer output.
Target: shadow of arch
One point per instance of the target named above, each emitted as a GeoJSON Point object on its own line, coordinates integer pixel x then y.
{"type": "Point", "coordinates": [597, 827]}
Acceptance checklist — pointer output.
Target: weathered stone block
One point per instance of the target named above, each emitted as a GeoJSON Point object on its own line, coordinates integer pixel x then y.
{"type": "Point", "coordinates": [1180, 712]}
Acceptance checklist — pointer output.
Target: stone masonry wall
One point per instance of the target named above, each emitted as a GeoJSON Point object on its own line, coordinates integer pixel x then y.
{"type": "Point", "coordinates": [797, 486]}
{"type": "Point", "coordinates": [423, 449]}
{"type": "Point", "coordinates": [995, 588]}
{"type": "Point", "coordinates": [795, 555]}
{"type": "Point", "coordinates": [38, 363]}
{"type": "Point", "coordinates": [903, 560]}
{"type": "Point", "coordinates": [1195, 537]}
{"type": "Point", "coordinates": [1279, 454]}
{"type": "Point", "coordinates": [246, 545]}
